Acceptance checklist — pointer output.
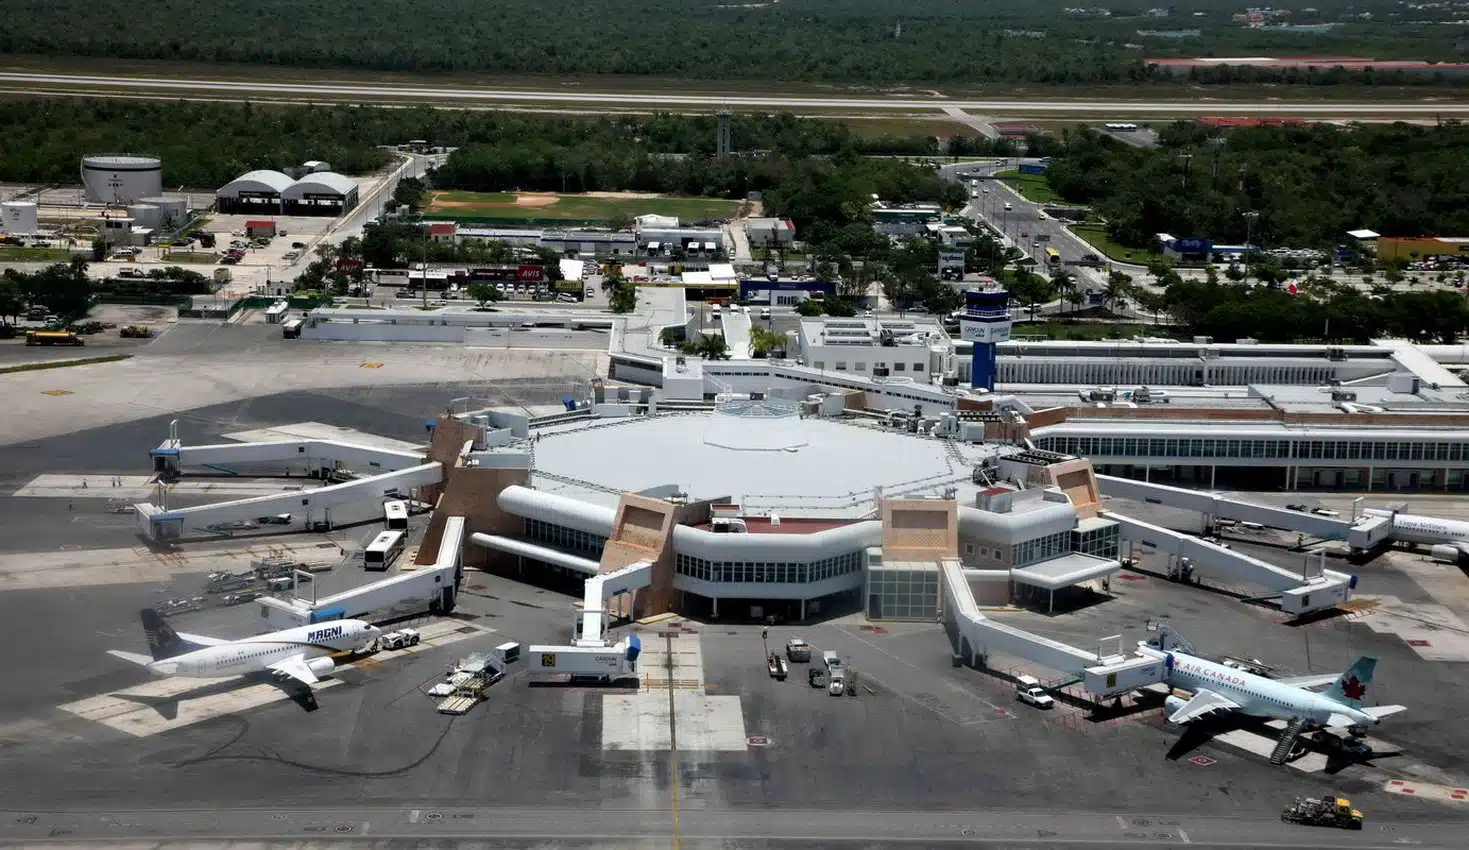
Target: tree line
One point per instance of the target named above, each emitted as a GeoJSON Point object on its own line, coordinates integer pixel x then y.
{"type": "Point", "coordinates": [1306, 185]}
{"type": "Point", "coordinates": [205, 145]}
{"type": "Point", "coordinates": [881, 42]}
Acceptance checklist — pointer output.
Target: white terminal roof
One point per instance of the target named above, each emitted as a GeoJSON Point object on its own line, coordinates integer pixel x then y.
{"type": "Point", "coordinates": [262, 180]}
{"type": "Point", "coordinates": [761, 454]}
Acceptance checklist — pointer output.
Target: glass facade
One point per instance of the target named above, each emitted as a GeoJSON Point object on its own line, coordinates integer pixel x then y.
{"type": "Point", "coordinates": [768, 572]}
{"type": "Point", "coordinates": [1219, 449]}
{"type": "Point", "coordinates": [1100, 542]}
{"type": "Point", "coordinates": [564, 538]}
{"type": "Point", "coordinates": [902, 594]}
{"type": "Point", "coordinates": [1041, 549]}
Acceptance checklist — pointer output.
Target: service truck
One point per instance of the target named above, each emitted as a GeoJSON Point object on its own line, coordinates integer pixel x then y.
{"type": "Point", "coordinates": [1028, 690]}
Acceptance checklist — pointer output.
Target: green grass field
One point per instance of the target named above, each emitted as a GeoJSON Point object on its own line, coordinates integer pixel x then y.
{"type": "Point", "coordinates": [14, 254]}
{"type": "Point", "coordinates": [1098, 236]}
{"type": "Point", "coordinates": [547, 207]}
{"type": "Point", "coordinates": [191, 257]}
{"type": "Point", "coordinates": [1032, 187]}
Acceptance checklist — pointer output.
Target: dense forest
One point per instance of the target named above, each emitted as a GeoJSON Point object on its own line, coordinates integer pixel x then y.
{"type": "Point", "coordinates": [1308, 183]}
{"type": "Point", "coordinates": [204, 145]}
{"type": "Point", "coordinates": [883, 42]}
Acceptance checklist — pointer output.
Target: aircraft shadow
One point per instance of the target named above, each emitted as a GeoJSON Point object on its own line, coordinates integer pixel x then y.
{"type": "Point", "coordinates": [1194, 735]}
{"type": "Point", "coordinates": [168, 707]}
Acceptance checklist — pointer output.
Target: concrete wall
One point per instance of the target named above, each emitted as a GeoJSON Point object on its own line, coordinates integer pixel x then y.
{"type": "Point", "coordinates": [919, 529]}
{"type": "Point", "coordinates": [471, 493]}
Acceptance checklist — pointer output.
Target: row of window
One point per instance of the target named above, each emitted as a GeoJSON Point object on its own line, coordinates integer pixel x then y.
{"type": "Point", "coordinates": [766, 572]}
{"type": "Point", "coordinates": [565, 538]}
{"type": "Point", "coordinates": [1099, 542]}
{"type": "Point", "coordinates": [1042, 549]}
{"type": "Point", "coordinates": [903, 594]}
{"type": "Point", "coordinates": [861, 366]}
{"type": "Point", "coordinates": [1257, 448]}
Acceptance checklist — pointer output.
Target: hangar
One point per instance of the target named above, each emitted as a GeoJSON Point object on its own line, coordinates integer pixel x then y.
{"type": "Point", "coordinates": [321, 193]}
{"type": "Point", "coordinates": [254, 191]}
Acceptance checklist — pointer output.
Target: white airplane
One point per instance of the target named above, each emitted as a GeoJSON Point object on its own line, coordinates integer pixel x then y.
{"type": "Point", "coordinates": [1448, 538]}
{"type": "Point", "coordinates": [1219, 688]}
{"type": "Point", "coordinates": [300, 653]}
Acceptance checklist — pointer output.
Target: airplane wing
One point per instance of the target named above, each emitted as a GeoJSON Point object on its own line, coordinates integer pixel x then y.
{"type": "Point", "coordinates": [202, 640]}
{"type": "Point", "coordinates": [296, 668]}
{"type": "Point", "coordinates": [1309, 682]}
{"type": "Point", "coordinates": [1381, 711]}
{"type": "Point", "coordinates": [1204, 702]}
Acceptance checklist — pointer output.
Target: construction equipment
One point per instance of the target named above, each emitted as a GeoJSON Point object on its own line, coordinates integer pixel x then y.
{"type": "Point", "coordinates": [1327, 811]}
{"type": "Point", "coordinates": [777, 667]}
{"type": "Point", "coordinates": [135, 332]}
{"type": "Point", "coordinates": [53, 338]}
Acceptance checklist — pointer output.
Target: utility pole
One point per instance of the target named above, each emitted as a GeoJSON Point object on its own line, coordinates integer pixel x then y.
{"type": "Point", "coordinates": [1249, 234]}
{"type": "Point", "coordinates": [1187, 158]}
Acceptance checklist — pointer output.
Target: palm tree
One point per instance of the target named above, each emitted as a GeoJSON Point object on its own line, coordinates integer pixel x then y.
{"type": "Point", "coordinates": [1119, 287]}
{"type": "Point", "coordinates": [713, 347]}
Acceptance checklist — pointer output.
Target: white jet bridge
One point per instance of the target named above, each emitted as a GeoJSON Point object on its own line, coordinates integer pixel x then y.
{"type": "Point", "coordinates": [1300, 593]}
{"type": "Point", "coordinates": [975, 636]}
{"type": "Point", "coordinates": [432, 589]}
{"type": "Point", "coordinates": [590, 653]}
{"type": "Point", "coordinates": [1223, 507]}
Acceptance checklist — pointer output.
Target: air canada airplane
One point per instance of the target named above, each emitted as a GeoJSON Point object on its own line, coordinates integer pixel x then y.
{"type": "Point", "coordinates": [1219, 688]}
{"type": "Point", "coordinates": [299, 653]}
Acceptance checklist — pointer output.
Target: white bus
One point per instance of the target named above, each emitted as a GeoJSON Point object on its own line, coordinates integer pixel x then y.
{"type": "Point", "coordinates": [383, 550]}
{"type": "Point", "coordinates": [395, 515]}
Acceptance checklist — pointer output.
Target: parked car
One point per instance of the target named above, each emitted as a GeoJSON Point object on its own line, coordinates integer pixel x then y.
{"type": "Point", "coordinates": [1297, 507]}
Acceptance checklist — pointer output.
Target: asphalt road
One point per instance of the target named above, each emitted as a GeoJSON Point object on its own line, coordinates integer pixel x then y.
{"type": "Point", "coordinates": [213, 88]}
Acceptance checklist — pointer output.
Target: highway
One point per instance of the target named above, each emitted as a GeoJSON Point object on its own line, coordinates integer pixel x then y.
{"type": "Point", "coordinates": [145, 86]}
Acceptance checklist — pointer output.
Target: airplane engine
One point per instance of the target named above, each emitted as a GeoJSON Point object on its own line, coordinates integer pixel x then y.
{"type": "Point", "coordinates": [321, 667]}
{"type": "Point", "coordinates": [1451, 554]}
{"type": "Point", "coordinates": [1173, 704]}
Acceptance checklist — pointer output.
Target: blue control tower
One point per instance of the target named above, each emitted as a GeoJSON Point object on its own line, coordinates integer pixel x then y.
{"type": "Point", "coordinates": [986, 323]}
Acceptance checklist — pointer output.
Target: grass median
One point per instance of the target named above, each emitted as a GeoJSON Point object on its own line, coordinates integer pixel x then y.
{"type": "Point", "coordinates": [62, 364]}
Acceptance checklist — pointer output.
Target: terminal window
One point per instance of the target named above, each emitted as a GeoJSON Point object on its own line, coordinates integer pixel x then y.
{"type": "Point", "coordinates": [768, 572]}
{"type": "Point", "coordinates": [563, 537]}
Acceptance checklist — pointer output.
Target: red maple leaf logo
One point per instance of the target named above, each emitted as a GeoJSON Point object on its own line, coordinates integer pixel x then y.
{"type": "Point", "coordinates": [1353, 689]}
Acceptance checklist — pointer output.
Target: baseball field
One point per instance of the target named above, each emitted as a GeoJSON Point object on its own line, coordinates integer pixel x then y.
{"type": "Point", "coordinates": [594, 206]}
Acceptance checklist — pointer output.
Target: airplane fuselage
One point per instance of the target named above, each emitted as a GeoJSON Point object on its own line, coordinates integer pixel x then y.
{"type": "Point", "coordinates": [1408, 528]}
{"type": "Point", "coordinates": [1257, 696]}
{"type": "Point", "coordinates": [252, 655]}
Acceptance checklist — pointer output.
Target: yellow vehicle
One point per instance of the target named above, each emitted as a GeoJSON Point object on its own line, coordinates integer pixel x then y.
{"type": "Point", "coordinates": [1053, 257]}
{"type": "Point", "coordinates": [1327, 811]}
{"type": "Point", "coordinates": [53, 338]}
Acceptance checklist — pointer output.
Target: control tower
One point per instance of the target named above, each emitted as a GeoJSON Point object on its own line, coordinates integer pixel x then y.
{"type": "Point", "coordinates": [986, 323]}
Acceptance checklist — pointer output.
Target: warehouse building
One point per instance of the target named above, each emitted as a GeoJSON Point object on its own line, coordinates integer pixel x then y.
{"type": "Point", "coordinates": [780, 232]}
{"type": "Point", "coordinates": [321, 193]}
{"type": "Point", "coordinates": [253, 192]}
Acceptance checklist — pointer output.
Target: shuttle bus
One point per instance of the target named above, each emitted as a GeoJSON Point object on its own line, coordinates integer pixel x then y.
{"type": "Point", "coordinates": [1053, 257]}
{"type": "Point", "coordinates": [383, 550]}
{"type": "Point", "coordinates": [291, 329]}
{"type": "Point", "coordinates": [395, 515]}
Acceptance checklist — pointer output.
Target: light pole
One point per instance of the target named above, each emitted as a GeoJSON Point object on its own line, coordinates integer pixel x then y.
{"type": "Point", "coordinates": [1249, 234]}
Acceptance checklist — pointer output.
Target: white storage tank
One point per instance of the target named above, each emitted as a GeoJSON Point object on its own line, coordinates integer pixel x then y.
{"type": "Point", "coordinates": [146, 215]}
{"type": "Point", "coordinates": [175, 210]}
{"type": "Point", "coordinates": [18, 218]}
{"type": "Point", "coordinates": [121, 178]}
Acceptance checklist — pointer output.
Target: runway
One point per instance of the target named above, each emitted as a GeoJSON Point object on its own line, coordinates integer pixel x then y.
{"type": "Point", "coordinates": [143, 87]}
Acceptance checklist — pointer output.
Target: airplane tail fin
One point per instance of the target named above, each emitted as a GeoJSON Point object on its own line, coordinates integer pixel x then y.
{"type": "Point", "coordinates": [163, 641]}
{"type": "Point", "coordinates": [1350, 688]}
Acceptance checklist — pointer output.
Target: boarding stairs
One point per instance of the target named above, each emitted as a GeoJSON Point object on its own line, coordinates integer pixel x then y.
{"type": "Point", "coordinates": [1287, 742]}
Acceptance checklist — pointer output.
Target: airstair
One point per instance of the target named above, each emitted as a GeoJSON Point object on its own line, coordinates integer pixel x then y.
{"type": "Point", "coordinates": [1287, 742]}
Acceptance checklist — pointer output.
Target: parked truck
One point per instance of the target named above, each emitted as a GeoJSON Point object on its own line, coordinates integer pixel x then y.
{"type": "Point", "coordinates": [53, 338]}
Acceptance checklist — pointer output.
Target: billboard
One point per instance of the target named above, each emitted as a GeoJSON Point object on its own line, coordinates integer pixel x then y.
{"type": "Point", "coordinates": [951, 260]}
{"type": "Point", "coordinates": [984, 332]}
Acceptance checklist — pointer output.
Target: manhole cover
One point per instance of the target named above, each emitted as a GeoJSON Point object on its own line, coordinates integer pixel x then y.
{"type": "Point", "coordinates": [758, 741]}
{"type": "Point", "coordinates": [434, 816]}
{"type": "Point", "coordinates": [1202, 761]}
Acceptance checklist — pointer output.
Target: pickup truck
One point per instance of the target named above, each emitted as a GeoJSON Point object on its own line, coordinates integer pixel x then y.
{"type": "Point", "coordinates": [1028, 690]}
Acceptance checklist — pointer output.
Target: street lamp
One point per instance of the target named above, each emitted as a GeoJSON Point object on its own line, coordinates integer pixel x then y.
{"type": "Point", "coordinates": [1249, 234]}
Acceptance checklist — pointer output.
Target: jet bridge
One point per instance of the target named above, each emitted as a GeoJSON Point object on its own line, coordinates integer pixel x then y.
{"type": "Point", "coordinates": [1215, 505]}
{"type": "Point", "coordinates": [1300, 593]}
{"type": "Point", "coordinates": [317, 458]}
{"type": "Point", "coordinates": [590, 653]}
{"type": "Point", "coordinates": [324, 507]}
{"type": "Point", "coordinates": [433, 589]}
